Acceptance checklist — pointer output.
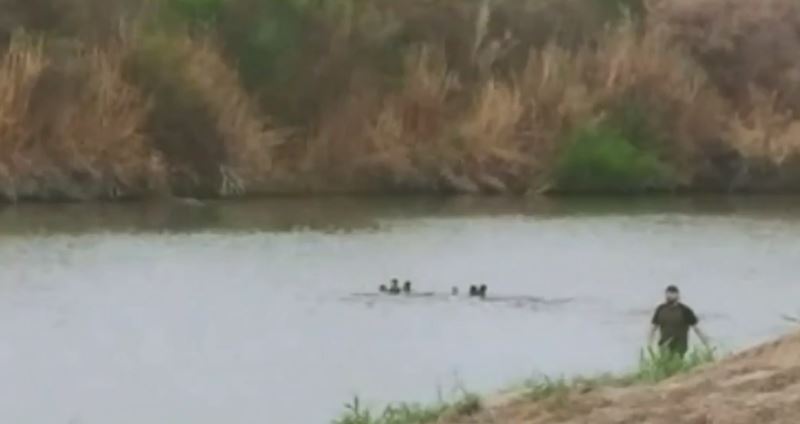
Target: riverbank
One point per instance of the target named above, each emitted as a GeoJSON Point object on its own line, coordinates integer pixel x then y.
{"type": "Point", "coordinates": [758, 385]}
{"type": "Point", "coordinates": [205, 98]}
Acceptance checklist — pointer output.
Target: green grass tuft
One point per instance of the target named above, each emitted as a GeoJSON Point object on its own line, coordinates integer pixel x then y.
{"type": "Point", "coordinates": [546, 388]}
{"type": "Point", "coordinates": [656, 364]}
{"type": "Point", "coordinates": [470, 404]}
{"type": "Point", "coordinates": [404, 413]}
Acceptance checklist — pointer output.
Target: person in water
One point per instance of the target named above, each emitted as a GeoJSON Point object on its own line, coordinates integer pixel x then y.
{"type": "Point", "coordinates": [672, 320]}
{"type": "Point", "coordinates": [478, 291]}
{"type": "Point", "coordinates": [395, 287]}
{"type": "Point", "coordinates": [407, 287]}
{"type": "Point", "coordinates": [383, 288]}
{"type": "Point", "coordinates": [454, 291]}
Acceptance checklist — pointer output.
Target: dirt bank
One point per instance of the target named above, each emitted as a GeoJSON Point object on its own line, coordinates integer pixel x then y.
{"type": "Point", "coordinates": [759, 386]}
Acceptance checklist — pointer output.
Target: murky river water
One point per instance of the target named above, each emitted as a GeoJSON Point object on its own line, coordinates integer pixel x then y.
{"type": "Point", "coordinates": [245, 312]}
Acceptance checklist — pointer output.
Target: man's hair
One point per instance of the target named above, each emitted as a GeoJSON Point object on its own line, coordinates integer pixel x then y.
{"type": "Point", "coordinates": [673, 289]}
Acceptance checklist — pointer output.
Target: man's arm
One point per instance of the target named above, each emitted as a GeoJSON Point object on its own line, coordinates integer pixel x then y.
{"type": "Point", "coordinates": [654, 327]}
{"type": "Point", "coordinates": [695, 324]}
{"type": "Point", "coordinates": [702, 336]}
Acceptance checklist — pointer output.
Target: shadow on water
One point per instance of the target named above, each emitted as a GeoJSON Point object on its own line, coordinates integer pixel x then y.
{"type": "Point", "coordinates": [336, 214]}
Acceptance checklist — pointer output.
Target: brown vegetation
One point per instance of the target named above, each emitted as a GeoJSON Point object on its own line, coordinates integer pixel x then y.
{"type": "Point", "coordinates": [105, 99]}
{"type": "Point", "coordinates": [71, 128]}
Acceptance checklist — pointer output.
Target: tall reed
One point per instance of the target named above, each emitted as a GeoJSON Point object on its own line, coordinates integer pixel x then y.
{"type": "Point", "coordinates": [219, 98]}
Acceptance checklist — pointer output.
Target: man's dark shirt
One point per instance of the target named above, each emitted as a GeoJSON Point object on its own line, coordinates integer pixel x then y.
{"type": "Point", "coordinates": [673, 321]}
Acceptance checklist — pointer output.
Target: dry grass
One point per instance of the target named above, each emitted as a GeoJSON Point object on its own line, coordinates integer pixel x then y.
{"type": "Point", "coordinates": [749, 51]}
{"type": "Point", "coordinates": [22, 65]}
{"type": "Point", "coordinates": [211, 132]}
{"type": "Point", "coordinates": [741, 43]}
{"type": "Point", "coordinates": [437, 132]}
{"type": "Point", "coordinates": [425, 96]}
{"type": "Point", "coordinates": [766, 131]}
{"type": "Point", "coordinates": [71, 127]}
{"type": "Point", "coordinates": [405, 139]}
{"type": "Point", "coordinates": [245, 134]}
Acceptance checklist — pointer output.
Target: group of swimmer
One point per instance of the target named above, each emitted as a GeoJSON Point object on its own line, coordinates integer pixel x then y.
{"type": "Point", "coordinates": [395, 289]}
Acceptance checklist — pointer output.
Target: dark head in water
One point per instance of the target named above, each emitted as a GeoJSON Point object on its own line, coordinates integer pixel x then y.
{"type": "Point", "coordinates": [407, 287]}
{"type": "Point", "coordinates": [383, 288]}
{"type": "Point", "coordinates": [473, 291]}
{"type": "Point", "coordinates": [454, 291]}
{"type": "Point", "coordinates": [482, 291]}
{"type": "Point", "coordinates": [395, 287]}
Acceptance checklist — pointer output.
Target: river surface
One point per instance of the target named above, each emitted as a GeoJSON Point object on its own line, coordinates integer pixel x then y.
{"type": "Point", "coordinates": [262, 311]}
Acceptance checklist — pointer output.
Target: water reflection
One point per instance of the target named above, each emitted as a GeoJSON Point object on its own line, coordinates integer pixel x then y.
{"type": "Point", "coordinates": [333, 214]}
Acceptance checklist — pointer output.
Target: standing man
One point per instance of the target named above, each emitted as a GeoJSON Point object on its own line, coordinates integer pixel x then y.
{"type": "Point", "coordinates": [672, 320]}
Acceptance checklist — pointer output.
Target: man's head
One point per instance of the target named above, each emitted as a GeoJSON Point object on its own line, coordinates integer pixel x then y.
{"type": "Point", "coordinates": [395, 282]}
{"type": "Point", "coordinates": [672, 294]}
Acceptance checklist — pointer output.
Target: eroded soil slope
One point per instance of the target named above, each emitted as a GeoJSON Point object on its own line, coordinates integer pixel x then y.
{"type": "Point", "coordinates": [759, 386]}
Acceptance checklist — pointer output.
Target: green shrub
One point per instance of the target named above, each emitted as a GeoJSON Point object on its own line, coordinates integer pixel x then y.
{"type": "Point", "coordinates": [193, 11]}
{"type": "Point", "coordinates": [265, 37]}
{"type": "Point", "coordinates": [633, 118]}
{"type": "Point", "coordinates": [598, 159]}
{"type": "Point", "coordinates": [261, 36]}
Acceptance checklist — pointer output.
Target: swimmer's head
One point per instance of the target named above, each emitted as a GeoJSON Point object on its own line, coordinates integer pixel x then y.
{"type": "Point", "coordinates": [407, 287]}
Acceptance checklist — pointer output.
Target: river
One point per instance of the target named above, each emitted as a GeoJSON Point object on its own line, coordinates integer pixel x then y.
{"type": "Point", "coordinates": [260, 311]}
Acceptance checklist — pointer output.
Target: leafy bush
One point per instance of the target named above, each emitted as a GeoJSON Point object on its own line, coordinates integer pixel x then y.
{"type": "Point", "coordinates": [598, 159]}
{"type": "Point", "coordinates": [264, 37]}
{"type": "Point", "coordinates": [193, 11]}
